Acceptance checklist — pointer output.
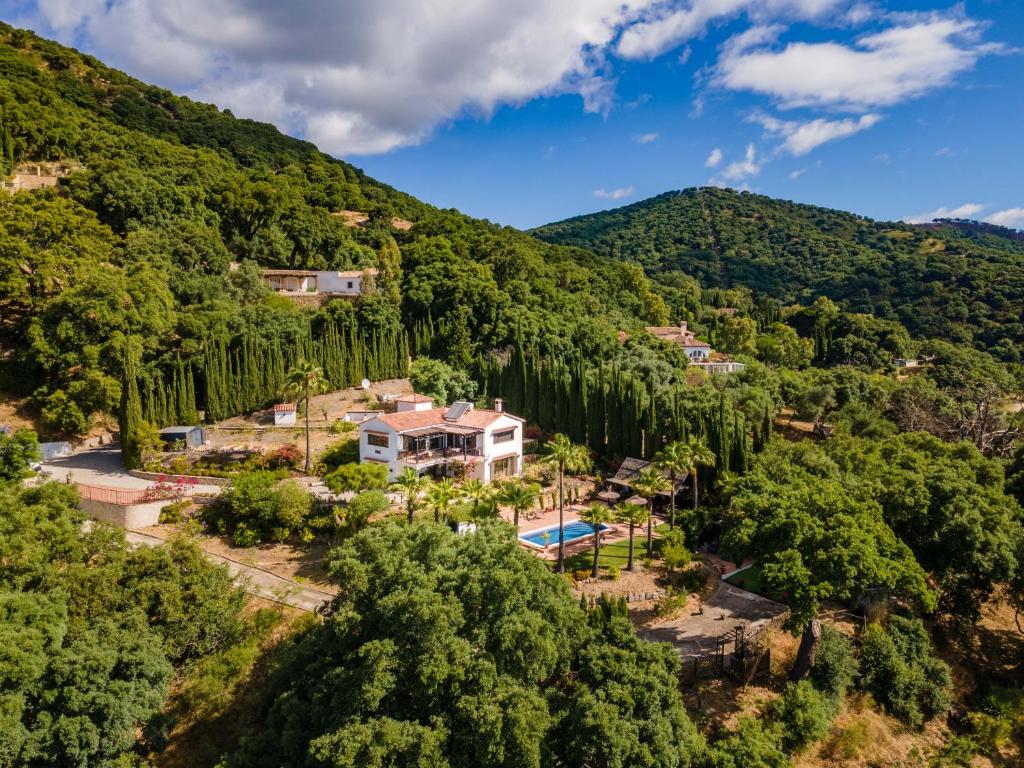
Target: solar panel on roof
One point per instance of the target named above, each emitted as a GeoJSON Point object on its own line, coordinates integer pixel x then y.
{"type": "Point", "coordinates": [457, 410]}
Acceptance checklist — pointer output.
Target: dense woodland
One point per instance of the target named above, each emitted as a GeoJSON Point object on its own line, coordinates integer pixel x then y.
{"type": "Point", "coordinates": [958, 282]}
{"type": "Point", "coordinates": [133, 290]}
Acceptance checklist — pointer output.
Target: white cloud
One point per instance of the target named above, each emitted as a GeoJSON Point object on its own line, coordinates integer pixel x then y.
{"type": "Point", "coordinates": [965, 211]}
{"type": "Point", "coordinates": [801, 138]}
{"type": "Point", "coordinates": [353, 76]}
{"type": "Point", "coordinates": [666, 25]}
{"type": "Point", "coordinates": [714, 158]}
{"type": "Point", "coordinates": [794, 175]}
{"type": "Point", "coordinates": [614, 194]}
{"type": "Point", "coordinates": [888, 67]}
{"type": "Point", "coordinates": [748, 166]}
{"type": "Point", "coordinates": [1011, 217]}
{"type": "Point", "coordinates": [645, 138]}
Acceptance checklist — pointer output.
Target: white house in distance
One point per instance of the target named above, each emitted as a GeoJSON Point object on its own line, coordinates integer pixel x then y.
{"type": "Point", "coordinates": [694, 348]}
{"type": "Point", "coordinates": [284, 414]}
{"type": "Point", "coordinates": [434, 441]}
{"type": "Point", "coordinates": [351, 283]}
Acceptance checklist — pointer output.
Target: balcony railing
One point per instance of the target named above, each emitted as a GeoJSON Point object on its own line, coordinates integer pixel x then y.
{"type": "Point", "coordinates": [437, 454]}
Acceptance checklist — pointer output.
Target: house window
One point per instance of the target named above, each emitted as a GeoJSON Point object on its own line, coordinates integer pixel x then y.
{"type": "Point", "coordinates": [378, 440]}
{"type": "Point", "coordinates": [350, 285]}
{"type": "Point", "coordinates": [505, 435]}
{"type": "Point", "coordinates": [503, 467]}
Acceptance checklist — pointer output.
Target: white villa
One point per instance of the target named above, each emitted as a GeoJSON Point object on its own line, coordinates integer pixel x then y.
{"type": "Point", "coordinates": [306, 281]}
{"type": "Point", "coordinates": [435, 441]}
{"type": "Point", "coordinates": [694, 348]}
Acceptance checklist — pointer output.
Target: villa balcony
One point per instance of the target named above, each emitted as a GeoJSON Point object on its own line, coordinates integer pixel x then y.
{"type": "Point", "coordinates": [437, 456]}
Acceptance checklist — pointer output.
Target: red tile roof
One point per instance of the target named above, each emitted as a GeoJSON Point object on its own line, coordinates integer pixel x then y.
{"type": "Point", "coordinates": [406, 420]}
{"type": "Point", "coordinates": [278, 407]}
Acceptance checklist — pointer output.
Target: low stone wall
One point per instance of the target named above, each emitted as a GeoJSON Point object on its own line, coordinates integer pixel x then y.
{"type": "Point", "coordinates": [172, 478]}
{"type": "Point", "coordinates": [128, 516]}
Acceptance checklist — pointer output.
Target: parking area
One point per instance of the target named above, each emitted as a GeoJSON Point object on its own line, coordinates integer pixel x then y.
{"type": "Point", "coordinates": [695, 633]}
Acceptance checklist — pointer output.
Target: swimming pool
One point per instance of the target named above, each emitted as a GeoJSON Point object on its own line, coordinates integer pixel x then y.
{"type": "Point", "coordinates": [571, 531]}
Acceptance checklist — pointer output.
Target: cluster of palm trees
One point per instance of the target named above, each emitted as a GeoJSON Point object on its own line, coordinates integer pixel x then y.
{"type": "Point", "coordinates": [420, 492]}
{"type": "Point", "coordinates": [678, 459]}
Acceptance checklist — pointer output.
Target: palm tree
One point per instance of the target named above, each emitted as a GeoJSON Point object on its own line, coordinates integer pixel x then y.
{"type": "Point", "coordinates": [520, 496]}
{"type": "Point", "coordinates": [674, 458]}
{"type": "Point", "coordinates": [440, 496]}
{"type": "Point", "coordinates": [565, 456]}
{"type": "Point", "coordinates": [649, 483]}
{"type": "Point", "coordinates": [595, 516]}
{"type": "Point", "coordinates": [635, 515]}
{"type": "Point", "coordinates": [477, 492]}
{"type": "Point", "coordinates": [411, 485]}
{"type": "Point", "coordinates": [700, 455]}
{"type": "Point", "coordinates": [303, 381]}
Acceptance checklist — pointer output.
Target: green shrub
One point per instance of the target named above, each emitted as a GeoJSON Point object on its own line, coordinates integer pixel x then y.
{"type": "Point", "coordinates": [362, 508]}
{"type": "Point", "coordinates": [17, 452]}
{"type": "Point", "coordinates": [339, 453]}
{"type": "Point", "coordinates": [958, 752]}
{"type": "Point", "coordinates": [1001, 715]}
{"type": "Point", "coordinates": [260, 506]}
{"type": "Point", "coordinates": [614, 572]}
{"type": "Point", "coordinates": [674, 553]}
{"type": "Point", "coordinates": [62, 416]}
{"type": "Point", "coordinates": [803, 713]}
{"type": "Point", "coordinates": [358, 477]}
{"type": "Point", "coordinates": [898, 670]}
{"type": "Point", "coordinates": [835, 665]}
{"type": "Point", "coordinates": [342, 427]}
{"type": "Point", "coordinates": [751, 745]}
{"type": "Point", "coordinates": [175, 511]}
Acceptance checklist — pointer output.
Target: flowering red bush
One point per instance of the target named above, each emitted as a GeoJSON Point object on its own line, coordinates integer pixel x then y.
{"type": "Point", "coordinates": [286, 457]}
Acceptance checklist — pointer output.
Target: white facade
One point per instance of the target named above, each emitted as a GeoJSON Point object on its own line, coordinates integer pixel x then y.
{"type": "Point", "coordinates": [344, 283]}
{"type": "Point", "coordinates": [488, 443]}
{"type": "Point", "coordinates": [349, 283]}
{"type": "Point", "coordinates": [284, 416]}
{"type": "Point", "coordinates": [697, 351]}
{"type": "Point", "coordinates": [721, 366]}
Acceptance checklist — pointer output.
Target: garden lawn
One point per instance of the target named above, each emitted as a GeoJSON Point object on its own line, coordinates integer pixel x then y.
{"type": "Point", "coordinates": [752, 580]}
{"type": "Point", "coordinates": [616, 554]}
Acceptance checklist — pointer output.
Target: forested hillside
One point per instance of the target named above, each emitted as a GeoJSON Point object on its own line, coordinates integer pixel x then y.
{"type": "Point", "coordinates": [949, 281]}
{"type": "Point", "coordinates": [140, 243]}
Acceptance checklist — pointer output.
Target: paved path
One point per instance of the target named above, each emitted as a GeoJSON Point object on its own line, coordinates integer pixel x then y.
{"type": "Point", "coordinates": [255, 581]}
{"type": "Point", "coordinates": [102, 466]}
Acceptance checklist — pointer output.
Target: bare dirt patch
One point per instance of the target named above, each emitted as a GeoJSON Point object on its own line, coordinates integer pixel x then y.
{"type": "Point", "coordinates": [257, 431]}
{"type": "Point", "coordinates": [302, 564]}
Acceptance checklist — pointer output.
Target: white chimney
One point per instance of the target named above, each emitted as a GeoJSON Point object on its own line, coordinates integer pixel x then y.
{"type": "Point", "coordinates": [499, 405]}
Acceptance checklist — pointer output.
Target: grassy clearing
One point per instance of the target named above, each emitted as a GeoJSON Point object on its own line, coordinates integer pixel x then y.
{"type": "Point", "coordinates": [752, 580]}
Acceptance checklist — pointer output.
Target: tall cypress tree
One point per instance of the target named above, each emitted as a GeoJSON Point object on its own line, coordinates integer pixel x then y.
{"type": "Point", "coordinates": [130, 416]}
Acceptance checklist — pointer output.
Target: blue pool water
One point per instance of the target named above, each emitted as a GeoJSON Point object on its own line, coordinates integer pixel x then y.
{"type": "Point", "coordinates": [571, 532]}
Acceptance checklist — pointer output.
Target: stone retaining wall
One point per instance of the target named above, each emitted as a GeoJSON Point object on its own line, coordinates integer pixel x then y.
{"type": "Point", "coordinates": [124, 516]}
{"type": "Point", "coordinates": [172, 478]}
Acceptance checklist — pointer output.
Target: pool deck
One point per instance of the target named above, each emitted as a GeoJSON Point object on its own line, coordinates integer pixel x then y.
{"type": "Point", "coordinates": [615, 532]}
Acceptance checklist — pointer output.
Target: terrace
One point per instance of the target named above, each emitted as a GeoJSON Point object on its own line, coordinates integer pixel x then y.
{"type": "Point", "coordinates": [429, 445]}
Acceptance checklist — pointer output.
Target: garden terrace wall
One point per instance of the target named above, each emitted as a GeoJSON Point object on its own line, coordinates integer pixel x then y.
{"type": "Point", "coordinates": [176, 479]}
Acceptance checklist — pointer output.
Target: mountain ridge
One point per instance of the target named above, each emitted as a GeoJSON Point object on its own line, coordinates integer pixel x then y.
{"type": "Point", "coordinates": [947, 280]}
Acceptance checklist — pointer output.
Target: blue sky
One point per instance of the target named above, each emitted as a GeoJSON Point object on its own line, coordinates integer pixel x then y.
{"type": "Point", "coordinates": [529, 111]}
